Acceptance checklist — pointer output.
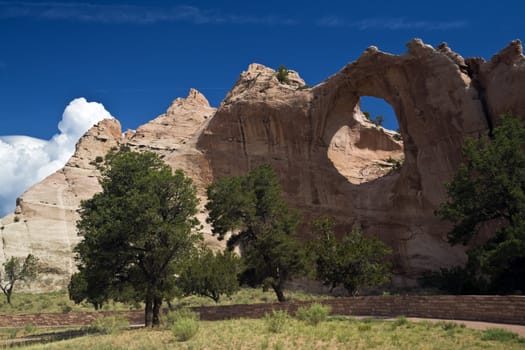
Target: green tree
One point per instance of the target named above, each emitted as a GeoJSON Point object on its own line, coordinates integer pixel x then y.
{"type": "Point", "coordinates": [136, 233]}
{"type": "Point", "coordinates": [17, 269]}
{"type": "Point", "coordinates": [488, 192]}
{"type": "Point", "coordinates": [355, 262]}
{"type": "Point", "coordinates": [251, 209]}
{"type": "Point", "coordinates": [379, 120]}
{"type": "Point", "coordinates": [282, 75]}
{"type": "Point", "coordinates": [211, 274]}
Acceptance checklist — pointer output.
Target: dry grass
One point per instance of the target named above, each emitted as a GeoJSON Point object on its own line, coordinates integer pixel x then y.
{"type": "Point", "coordinates": [336, 333]}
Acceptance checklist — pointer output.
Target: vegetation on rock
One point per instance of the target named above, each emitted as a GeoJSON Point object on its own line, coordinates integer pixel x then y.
{"type": "Point", "coordinates": [282, 75]}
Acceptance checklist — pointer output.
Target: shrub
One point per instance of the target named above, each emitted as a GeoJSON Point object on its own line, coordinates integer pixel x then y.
{"type": "Point", "coordinates": [282, 75]}
{"type": "Point", "coordinates": [450, 327]}
{"type": "Point", "coordinates": [109, 324]}
{"type": "Point", "coordinates": [12, 333]}
{"type": "Point", "coordinates": [400, 322]}
{"type": "Point", "coordinates": [185, 328]}
{"type": "Point", "coordinates": [276, 321]}
{"type": "Point", "coordinates": [314, 314]}
{"type": "Point", "coordinates": [498, 334]}
{"type": "Point", "coordinates": [181, 314]}
{"type": "Point", "coordinates": [29, 328]}
{"type": "Point", "coordinates": [364, 327]}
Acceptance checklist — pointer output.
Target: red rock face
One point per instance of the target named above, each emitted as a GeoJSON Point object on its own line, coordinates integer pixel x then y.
{"type": "Point", "coordinates": [438, 99]}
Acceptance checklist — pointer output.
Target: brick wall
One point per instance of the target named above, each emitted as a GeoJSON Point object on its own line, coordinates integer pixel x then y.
{"type": "Point", "coordinates": [503, 309]}
{"type": "Point", "coordinates": [500, 309]}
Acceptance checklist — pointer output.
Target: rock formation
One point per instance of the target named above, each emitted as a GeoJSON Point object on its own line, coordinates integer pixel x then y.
{"type": "Point", "coordinates": [438, 97]}
{"type": "Point", "coordinates": [44, 221]}
{"type": "Point", "coordinates": [330, 159]}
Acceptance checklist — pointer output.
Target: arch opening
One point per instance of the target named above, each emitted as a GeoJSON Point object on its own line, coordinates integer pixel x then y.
{"type": "Point", "coordinates": [366, 148]}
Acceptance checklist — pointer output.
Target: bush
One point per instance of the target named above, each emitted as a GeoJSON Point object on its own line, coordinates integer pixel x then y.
{"type": "Point", "coordinates": [276, 321]}
{"type": "Point", "coordinates": [29, 328]}
{"type": "Point", "coordinates": [181, 314]}
{"type": "Point", "coordinates": [498, 334]}
{"type": "Point", "coordinates": [282, 75]}
{"type": "Point", "coordinates": [364, 327]}
{"type": "Point", "coordinates": [185, 328]}
{"type": "Point", "coordinates": [400, 322]}
{"type": "Point", "coordinates": [314, 314]}
{"type": "Point", "coordinates": [109, 324]}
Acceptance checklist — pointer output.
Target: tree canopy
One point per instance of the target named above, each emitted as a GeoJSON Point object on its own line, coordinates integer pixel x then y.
{"type": "Point", "coordinates": [17, 269]}
{"type": "Point", "coordinates": [252, 211]}
{"type": "Point", "coordinates": [488, 193]}
{"type": "Point", "coordinates": [354, 262]}
{"type": "Point", "coordinates": [136, 232]}
{"type": "Point", "coordinates": [211, 274]}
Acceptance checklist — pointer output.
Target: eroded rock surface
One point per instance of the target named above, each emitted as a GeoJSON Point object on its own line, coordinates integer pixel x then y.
{"type": "Point", "coordinates": [44, 222]}
{"type": "Point", "coordinates": [330, 159]}
{"type": "Point", "coordinates": [439, 99]}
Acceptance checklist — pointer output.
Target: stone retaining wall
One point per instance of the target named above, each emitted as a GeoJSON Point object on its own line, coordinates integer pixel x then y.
{"type": "Point", "coordinates": [498, 309]}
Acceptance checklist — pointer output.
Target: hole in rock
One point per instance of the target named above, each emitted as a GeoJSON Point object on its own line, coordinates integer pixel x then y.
{"type": "Point", "coordinates": [379, 108]}
{"type": "Point", "coordinates": [367, 147]}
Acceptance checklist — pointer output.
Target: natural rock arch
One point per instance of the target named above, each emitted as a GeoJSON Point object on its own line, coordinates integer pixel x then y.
{"type": "Point", "coordinates": [436, 105]}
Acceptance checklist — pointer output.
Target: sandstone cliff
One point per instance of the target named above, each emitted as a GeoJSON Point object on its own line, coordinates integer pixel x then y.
{"type": "Point", "coordinates": [44, 221]}
{"type": "Point", "coordinates": [330, 159]}
{"type": "Point", "coordinates": [439, 99]}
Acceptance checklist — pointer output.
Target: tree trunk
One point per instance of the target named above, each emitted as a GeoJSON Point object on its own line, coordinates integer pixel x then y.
{"type": "Point", "coordinates": [157, 302]}
{"type": "Point", "coordinates": [277, 288]}
{"type": "Point", "coordinates": [148, 317]}
{"type": "Point", "coordinates": [9, 293]}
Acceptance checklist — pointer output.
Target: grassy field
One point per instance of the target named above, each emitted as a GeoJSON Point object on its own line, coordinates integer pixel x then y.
{"type": "Point", "coordinates": [58, 302]}
{"type": "Point", "coordinates": [335, 333]}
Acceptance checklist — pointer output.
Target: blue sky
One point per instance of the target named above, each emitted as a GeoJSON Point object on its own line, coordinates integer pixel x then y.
{"type": "Point", "coordinates": [136, 56]}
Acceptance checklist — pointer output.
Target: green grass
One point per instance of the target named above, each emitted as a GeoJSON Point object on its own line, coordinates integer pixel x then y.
{"type": "Point", "coordinates": [249, 296]}
{"type": "Point", "coordinates": [58, 302]}
{"type": "Point", "coordinates": [53, 302]}
{"type": "Point", "coordinates": [335, 333]}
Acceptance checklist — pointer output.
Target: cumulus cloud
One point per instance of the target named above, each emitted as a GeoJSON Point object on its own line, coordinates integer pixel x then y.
{"type": "Point", "coordinates": [27, 160]}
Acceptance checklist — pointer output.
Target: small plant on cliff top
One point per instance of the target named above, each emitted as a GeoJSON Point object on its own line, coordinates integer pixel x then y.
{"type": "Point", "coordinates": [282, 75]}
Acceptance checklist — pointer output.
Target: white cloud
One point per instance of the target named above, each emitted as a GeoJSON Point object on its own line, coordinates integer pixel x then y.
{"type": "Point", "coordinates": [27, 160]}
